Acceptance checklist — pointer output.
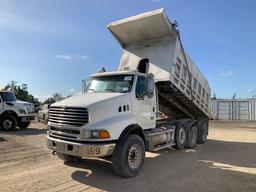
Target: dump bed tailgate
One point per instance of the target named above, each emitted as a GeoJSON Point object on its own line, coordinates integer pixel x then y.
{"type": "Point", "coordinates": [147, 26]}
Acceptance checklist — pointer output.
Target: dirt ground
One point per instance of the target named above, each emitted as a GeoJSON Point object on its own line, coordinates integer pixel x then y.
{"type": "Point", "coordinates": [227, 162]}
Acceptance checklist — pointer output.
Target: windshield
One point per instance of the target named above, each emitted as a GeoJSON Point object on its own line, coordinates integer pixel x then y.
{"type": "Point", "coordinates": [114, 83]}
{"type": "Point", "coordinates": [7, 96]}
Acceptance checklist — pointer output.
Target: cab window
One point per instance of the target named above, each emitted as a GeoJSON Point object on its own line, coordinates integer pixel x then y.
{"type": "Point", "coordinates": [140, 86]}
{"type": "Point", "coordinates": [150, 84]}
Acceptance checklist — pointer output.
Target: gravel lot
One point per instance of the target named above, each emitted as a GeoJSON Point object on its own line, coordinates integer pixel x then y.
{"type": "Point", "coordinates": [227, 162]}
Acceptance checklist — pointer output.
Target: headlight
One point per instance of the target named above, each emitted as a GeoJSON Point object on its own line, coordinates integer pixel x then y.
{"type": "Point", "coordinates": [95, 134]}
{"type": "Point", "coordinates": [22, 111]}
{"type": "Point", "coordinates": [101, 134]}
{"type": "Point", "coordinates": [29, 108]}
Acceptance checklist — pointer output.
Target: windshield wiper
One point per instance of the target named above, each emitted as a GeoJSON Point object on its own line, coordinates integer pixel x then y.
{"type": "Point", "coordinates": [112, 90]}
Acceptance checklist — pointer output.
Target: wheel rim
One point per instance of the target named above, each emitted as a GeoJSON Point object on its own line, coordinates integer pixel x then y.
{"type": "Point", "coordinates": [134, 156]}
{"type": "Point", "coordinates": [7, 124]}
{"type": "Point", "coordinates": [182, 135]}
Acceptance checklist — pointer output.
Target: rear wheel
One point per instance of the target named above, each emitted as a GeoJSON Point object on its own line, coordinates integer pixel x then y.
{"type": "Point", "coordinates": [192, 137]}
{"type": "Point", "coordinates": [67, 158]}
{"type": "Point", "coordinates": [129, 155]}
{"type": "Point", "coordinates": [23, 125]}
{"type": "Point", "coordinates": [180, 136]}
{"type": "Point", "coordinates": [202, 132]}
{"type": "Point", "coordinates": [8, 123]}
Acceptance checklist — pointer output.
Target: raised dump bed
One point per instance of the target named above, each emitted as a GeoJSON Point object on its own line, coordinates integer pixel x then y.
{"type": "Point", "coordinates": [151, 44]}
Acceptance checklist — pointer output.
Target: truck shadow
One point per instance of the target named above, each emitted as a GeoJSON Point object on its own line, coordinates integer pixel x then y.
{"type": "Point", "coordinates": [2, 139]}
{"type": "Point", "coordinates": [210, 166]}
{"type": "Point", "coordinates": [25, 132]}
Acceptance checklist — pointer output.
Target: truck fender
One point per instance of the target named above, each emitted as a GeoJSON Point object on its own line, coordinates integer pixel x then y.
{"type": "Point", "coordinates": [9, 112]}
{"type": "Point", "coordinates": [132, 129]}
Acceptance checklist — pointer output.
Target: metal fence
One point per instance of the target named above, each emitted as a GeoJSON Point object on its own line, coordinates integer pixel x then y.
{"type": "Point", "coordinates": [223, 109]}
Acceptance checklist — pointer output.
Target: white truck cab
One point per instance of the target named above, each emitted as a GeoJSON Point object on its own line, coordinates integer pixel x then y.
{"type": "Point", "coordinates": [112, 102]}
{"type": "Point", "coordinates": [156, 99]}
{"type": "Point", "coordinates": [14, 113]}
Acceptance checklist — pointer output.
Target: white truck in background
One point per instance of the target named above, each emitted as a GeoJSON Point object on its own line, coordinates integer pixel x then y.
{"type": "Point", "coordinates": [14, 113]}
{"type": "Point", "coordinates": [156, 99]}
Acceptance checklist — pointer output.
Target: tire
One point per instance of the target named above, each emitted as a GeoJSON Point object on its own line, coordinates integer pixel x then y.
{"type": "Point", "coordinates": [180, 136]}
{"type": "Point", "coordinates": [8, 123]}
{"type": "Point", "coordinates": [23, 125]}
{"type": "Point", "coordinates": [129, 155]}
{"type": "Point", "coordinates": [67, 158]}
{"type": "Point", "coordinates": [191, 137]}
{"type": "Point", "coordinates": [202, 132]}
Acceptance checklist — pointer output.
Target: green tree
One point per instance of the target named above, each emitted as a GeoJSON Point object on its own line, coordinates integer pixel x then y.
{"type": "Point", "coordinates": [21, 92]}
{"type": "Point", "coordinates": [57, 96]}
{"type": "Point", "coordinates": [214, 96]}
{"type": "Point", "coordinates": [11, 86]}
{"type": "Point", "coordinates": [49, 101]}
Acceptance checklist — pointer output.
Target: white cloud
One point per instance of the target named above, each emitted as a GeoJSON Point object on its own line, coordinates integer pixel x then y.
{"type": "Point", "coordinates": [71, 90]}
{"type": "Point", "coordinates": [60, 56]}
{"type": "Point", "coordinates": [68, 57]}
{"type": "Point", "coordinates": [250, 90]}
{"type": "Point", "coordinates": [83, 57]}
{"type": "Point", "coordinates": [226, 73]}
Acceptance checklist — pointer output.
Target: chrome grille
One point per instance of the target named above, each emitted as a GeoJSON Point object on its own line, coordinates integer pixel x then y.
{"type": "Point", "coordinates": [76, 116]}
{"type": "Point", "coordinates": [77, 132]}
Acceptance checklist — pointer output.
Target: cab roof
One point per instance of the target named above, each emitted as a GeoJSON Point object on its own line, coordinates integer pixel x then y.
{"type": "Point", "coordinates": [116, 73]}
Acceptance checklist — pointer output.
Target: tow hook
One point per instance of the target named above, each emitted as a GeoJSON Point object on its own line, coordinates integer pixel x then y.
{"type": "Point", "coordinates": [54, 153]}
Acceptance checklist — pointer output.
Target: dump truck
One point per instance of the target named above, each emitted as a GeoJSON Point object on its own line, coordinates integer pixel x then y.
{"type": "Point", "coordinates": [14, 113]}
{"type": "Point", "coordinates": [156, 99]}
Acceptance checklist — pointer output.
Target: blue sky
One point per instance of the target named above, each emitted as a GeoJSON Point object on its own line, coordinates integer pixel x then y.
{"type": "Point", "coordinates": [53, 45]}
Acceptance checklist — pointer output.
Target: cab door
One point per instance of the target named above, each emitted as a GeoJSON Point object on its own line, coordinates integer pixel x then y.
{"type": "Point", "coordinates": [145, 102]}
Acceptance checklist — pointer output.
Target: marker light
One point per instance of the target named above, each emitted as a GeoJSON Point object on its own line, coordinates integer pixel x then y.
{"type": "Point", "coordinates": [103, 134]}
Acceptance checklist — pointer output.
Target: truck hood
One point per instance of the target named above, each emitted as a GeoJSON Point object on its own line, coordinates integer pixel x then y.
{"type": "Point", "coordinates": [23, 102]}
{"type": "Point", "coordinates": [86, 99]}
{"type": "Point", "coordinates": [18, 102]}
{"type": "Point", "coordinates": [30, 107]}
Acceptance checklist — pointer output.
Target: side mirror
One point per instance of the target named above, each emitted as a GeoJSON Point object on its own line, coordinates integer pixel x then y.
{"type": "Point", "coordinates": [141, 96]}
{"type": "Point", "coordinates": [150, 94]}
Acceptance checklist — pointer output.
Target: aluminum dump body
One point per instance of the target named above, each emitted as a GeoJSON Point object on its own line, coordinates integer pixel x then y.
{"type": "Point", "coordinates": [153, 37]}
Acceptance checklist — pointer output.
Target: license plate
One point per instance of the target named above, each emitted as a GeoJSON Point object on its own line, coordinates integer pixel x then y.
{"type": "Point", "coordinates": [93, 151]}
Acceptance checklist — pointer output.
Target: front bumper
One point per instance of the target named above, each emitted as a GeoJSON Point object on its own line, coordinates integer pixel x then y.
{"type": "Point", "coordinates": [26, 118]}
{"type": "Point", "coordinates": [80, 149]}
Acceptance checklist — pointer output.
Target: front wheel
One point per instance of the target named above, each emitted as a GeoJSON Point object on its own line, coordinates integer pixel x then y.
{"type": "Point", "coordinates": [24, 125]}
{"type": "Point", "coordinates": [8, 123]}
{"type": "Point", "coordinates": [202, 132]}
{"type": "Point", "coordinates": [129, 155]}
{"type": "Point", "coordinates": [180, 137]}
